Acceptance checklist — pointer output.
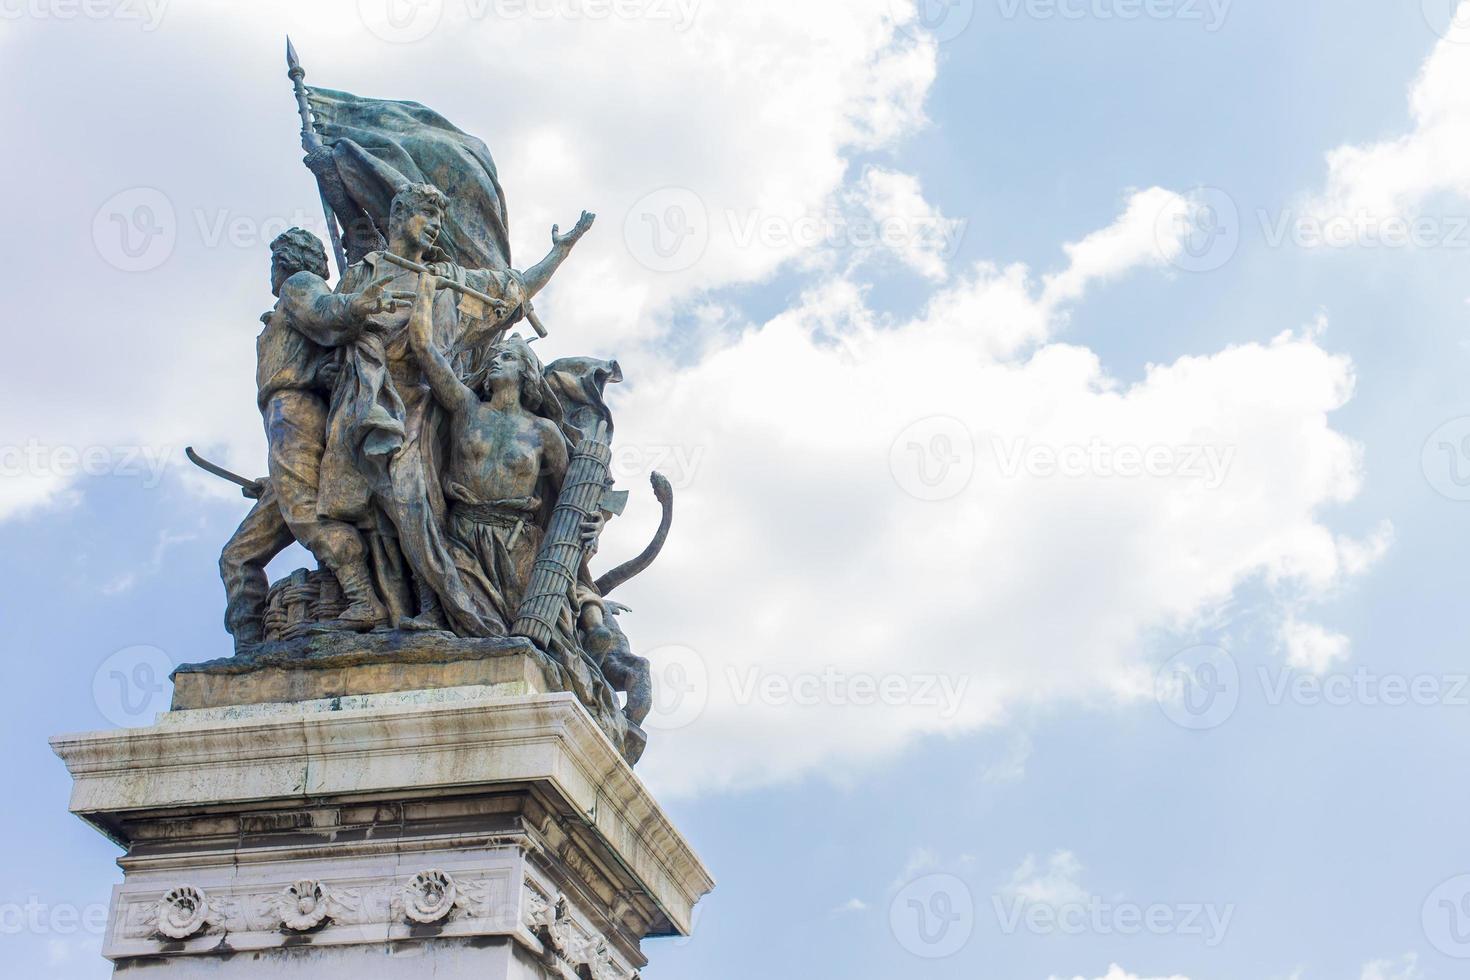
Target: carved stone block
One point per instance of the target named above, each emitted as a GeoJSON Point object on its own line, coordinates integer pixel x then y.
{"type": "Point", "coordinates": [461, 832]}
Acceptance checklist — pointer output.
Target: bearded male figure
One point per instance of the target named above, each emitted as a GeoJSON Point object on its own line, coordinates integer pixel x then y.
{"type": "Point", "coordinates": [295, 359]}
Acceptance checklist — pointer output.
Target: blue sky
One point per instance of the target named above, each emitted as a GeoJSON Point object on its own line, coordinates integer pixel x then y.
{"type": "Point", "coordinates": [1226, 695]}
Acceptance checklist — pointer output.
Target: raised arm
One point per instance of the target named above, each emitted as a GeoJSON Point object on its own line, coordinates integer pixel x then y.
{"type": "Point", "coordinates": [452, 393]}
{"type": "Point", "coordinates": [535, 278]}
{"type": "Point", "coordinates": [334, 319]}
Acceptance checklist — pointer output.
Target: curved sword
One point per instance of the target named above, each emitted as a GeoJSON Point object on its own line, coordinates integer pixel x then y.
{"type": "Point", "coordinates": [250, 487]}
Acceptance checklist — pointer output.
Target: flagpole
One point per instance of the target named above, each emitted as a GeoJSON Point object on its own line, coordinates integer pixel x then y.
{"type": "Point", "coordinates": [311, 142]}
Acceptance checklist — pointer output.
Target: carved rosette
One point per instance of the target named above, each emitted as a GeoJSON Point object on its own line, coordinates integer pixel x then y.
{"type": "Point", "coordinates": [568, 943]}
{"type": "Point", "coordinates": [429, 897]}
{"type": "Point", "coordinates": [182, 912]}
{"type": "Point", "coordinates": [303, 905]}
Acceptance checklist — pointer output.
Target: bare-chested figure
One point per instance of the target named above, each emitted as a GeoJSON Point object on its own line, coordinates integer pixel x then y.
{"type": "Point", "coordinates": [505, 459]}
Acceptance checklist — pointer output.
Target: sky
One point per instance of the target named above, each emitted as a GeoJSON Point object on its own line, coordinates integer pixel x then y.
{"type": "Point", "coordinates": [1065, 400]}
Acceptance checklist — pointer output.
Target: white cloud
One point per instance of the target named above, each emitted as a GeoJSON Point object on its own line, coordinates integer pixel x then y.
{"type": "Point", "coordinates": [1002, 310]}
{"type": "Point", "coordinates": [799, 548]}
{"type": "Point", "coordinates": [921, 860]}
{"type": "Point", "coordinates": [1393, 178]}
{"type": "Point", "coordinates": [1148, 233]}
{"type": "Point", "coordinates": [707, 106]}
{"type": "Point", "coordinates": [166, 540]}
{"type": "Point", "coordinates": [901, 220]}
{"type": "Point", "coordinates": [25, 491]}
{"type": "Point", "coordinates": [852, 905]}
{"type": "Point", "coordinates": [1405, 969]}
{"type": "Point", "coordinates": [1116, 972]}
{"type": "Point", "coordinates": [1055, 885]}
{"type": "Point", "coordinates": [1312, 648]}
{"type": "Point", "coordinates": [1010, 764]}
{"type": "Point", "coordinates": [1025, 585]}
{"type": "Point", "coordinates": [715, 114]}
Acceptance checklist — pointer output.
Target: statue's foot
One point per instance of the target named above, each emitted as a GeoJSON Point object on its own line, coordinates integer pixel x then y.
{"type": "Point", "coordinates": [362, 616]}
{"type": "Point", "coordinates": [429, 622]}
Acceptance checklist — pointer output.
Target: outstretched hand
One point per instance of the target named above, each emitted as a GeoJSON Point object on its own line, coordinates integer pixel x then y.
{"type": "Point", "coordinates": [376, 298]}
{"type": "Point", "coordinates": [571, 238]}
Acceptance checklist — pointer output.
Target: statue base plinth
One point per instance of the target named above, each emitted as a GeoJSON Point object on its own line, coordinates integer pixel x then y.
{"type": "Point", "coordinates": [477, 831]}
{"type": "Point", "coordinates": [330, 665]}
{"type": "Point", "coordinates": [338, 664]}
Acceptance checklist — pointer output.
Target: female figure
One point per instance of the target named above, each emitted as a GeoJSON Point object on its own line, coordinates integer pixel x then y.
{"type": "Point", "coordinates": [505, 459]}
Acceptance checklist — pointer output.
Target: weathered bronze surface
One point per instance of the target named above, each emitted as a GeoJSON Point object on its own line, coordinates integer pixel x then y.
{"type": "Point", "coordinates": [419, 449]}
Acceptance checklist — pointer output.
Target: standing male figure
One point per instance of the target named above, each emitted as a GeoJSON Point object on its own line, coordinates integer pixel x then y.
{"type": "Point", "coordinates": [384, 440]}
{"type": "Point", "coordinates": [295, 362]}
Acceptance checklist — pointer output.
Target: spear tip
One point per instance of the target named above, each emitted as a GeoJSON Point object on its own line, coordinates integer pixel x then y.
{"type": "Point", "coordinates": [292, 62]}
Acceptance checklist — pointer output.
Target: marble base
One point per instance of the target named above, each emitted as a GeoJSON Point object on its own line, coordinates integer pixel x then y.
{"type": "Point", "coordinates": [446, 959]}
{"type": "Point", "coordinates": [329, 665]}
{"type": "Point", "coordinates": [453, 832]}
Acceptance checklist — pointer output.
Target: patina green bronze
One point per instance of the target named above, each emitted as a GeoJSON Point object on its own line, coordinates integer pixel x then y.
{"type": "Point", "coordinates": [417, 446]}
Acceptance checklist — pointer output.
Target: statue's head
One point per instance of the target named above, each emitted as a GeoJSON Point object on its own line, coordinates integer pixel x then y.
{"type": "Point", "coordinates": [296, 250]}
{"type": "Point", "coordinates": [416, 215]}
{"type": "Point", "coordinates": [513, 362]}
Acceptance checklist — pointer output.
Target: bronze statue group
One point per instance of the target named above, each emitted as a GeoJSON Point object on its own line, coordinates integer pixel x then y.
{"type": "Point", "coordinates": [420, 451]}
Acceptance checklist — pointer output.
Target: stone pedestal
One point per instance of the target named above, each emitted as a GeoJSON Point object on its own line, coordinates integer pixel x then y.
{"type": "Point", "coordinates": [489, 831]}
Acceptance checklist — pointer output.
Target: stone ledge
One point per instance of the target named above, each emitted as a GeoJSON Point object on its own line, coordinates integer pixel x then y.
{"type": "Point", "coordinates": [389, 748]}
{"type": "Point", "coordinates": [332, 665]}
